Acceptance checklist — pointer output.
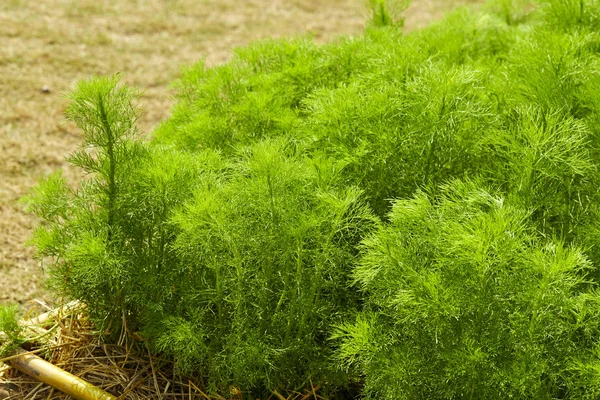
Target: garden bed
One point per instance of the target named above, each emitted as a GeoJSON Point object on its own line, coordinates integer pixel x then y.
{"type": "Point", "coordinates": [387, 216]}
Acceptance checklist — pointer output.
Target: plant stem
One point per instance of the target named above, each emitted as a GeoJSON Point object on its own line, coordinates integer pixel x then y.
{"type": "Point", "coordinates": [110, 151]}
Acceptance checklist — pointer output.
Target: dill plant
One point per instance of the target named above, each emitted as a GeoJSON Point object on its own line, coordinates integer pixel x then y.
{"type": "Point", "coordinates": [111, 235]}
{"type": "Point", "coordinates": [267, 254]}
{"type": "Point", "coordinates": [466, 300]}
{"type": "Point", "coordinates": [387, 12]}
{"type": "Point", "coordinates": [572, 14]}
{"type": "Point", "coordinates": [234, 262]}
{"type": "Point", "coordinates": [229, 240]}
{"type": "Point", "coordinates": [11, 335]}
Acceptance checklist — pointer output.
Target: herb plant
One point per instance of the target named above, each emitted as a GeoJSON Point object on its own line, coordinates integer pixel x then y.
{"type": "Point", "coordinates": [10, 331]}
{"type": "Point", "coordinates": [464, 157]}
{"type": "Point", "coordinates": [236, 268]}
{"type": "Point", "coordinates": [465, 300]}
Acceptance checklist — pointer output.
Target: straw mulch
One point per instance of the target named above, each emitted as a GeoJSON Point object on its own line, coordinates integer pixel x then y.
{"type": "Point", "coordinates": [123, 369]}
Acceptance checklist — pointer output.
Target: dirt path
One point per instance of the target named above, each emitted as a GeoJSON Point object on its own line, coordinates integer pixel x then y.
{"type": "Point", "coordinates": [46, 46]}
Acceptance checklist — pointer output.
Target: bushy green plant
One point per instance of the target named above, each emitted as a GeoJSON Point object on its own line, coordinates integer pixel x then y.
{"type": "Point", "coordinates": [228, 240]}
{"type": "Point", "coordinates": [112, 234]}
{"type": "Point", "coordinates": [545, 163]}
{"type": "Point", "coordinates": [267, 253]}
{"type": "Point", "coordinates": [10, 331]}
{"type": "Point", "coordinates": [235, 266]}
{"type": "Point", "coordinates": [572, 14]}
{"type": "Point", "coordinates": [465, 300]}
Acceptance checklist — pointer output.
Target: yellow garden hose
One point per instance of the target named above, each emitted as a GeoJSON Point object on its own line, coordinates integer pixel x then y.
{"type": "Point", "coordinates": [60, 379]}
{"type": "Point", "coordinates": [50, 374]}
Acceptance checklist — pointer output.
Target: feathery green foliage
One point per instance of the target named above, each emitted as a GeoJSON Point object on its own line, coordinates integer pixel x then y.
{"type": "Point", "coordinates": [465, 300]}
{"type": "Point", "coordinates": [237, 266]}
{"type": "Point", "coordinates": [10, 330]}
{"type": "Point", "coordinates": [387, 12]}
{"type": "Point", "coordinates": [267, 254]}
{"type": "Point", "coordinates": [112, 233]}
{"type": "Point", "coordinates": [466, 153]}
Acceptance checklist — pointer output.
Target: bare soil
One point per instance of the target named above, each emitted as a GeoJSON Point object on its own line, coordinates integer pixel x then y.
{"type": "Point", "coordinates": [46, 46]}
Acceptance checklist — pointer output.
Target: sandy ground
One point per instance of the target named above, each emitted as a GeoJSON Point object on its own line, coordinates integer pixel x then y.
{"type": "Point", "coordinates": [47, 45]}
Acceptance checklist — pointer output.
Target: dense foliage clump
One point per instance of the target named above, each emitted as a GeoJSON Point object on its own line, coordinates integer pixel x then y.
{"type": "Point", "coordinates": [466, 301]}
{"type": "Point", "coordinates": [235, 267]}
{"type": "Point", "coordinates": [413, 214]}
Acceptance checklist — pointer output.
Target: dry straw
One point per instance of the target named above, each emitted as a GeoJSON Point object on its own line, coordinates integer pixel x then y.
{"type": "Point", "coordinates": [65, 338]}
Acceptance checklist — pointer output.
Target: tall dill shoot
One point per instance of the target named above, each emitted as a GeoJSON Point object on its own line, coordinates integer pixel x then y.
{"type": "Point", "coordinates": [387, 12]}
{"type": "Point", "coordinates": [82, 227]}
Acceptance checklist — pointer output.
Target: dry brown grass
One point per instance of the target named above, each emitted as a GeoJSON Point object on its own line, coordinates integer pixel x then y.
{"type": "Point", "coordinates": [51, 44]}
